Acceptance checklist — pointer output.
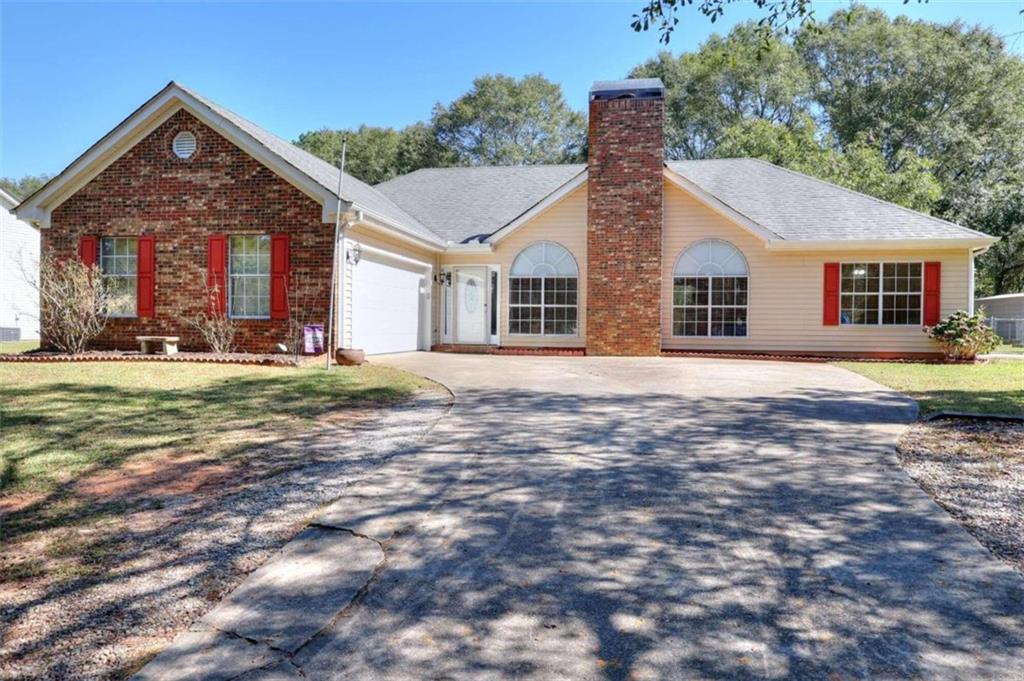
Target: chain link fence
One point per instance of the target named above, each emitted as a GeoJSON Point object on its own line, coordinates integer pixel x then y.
{"type": "Point", "coordinates": [1010, 330]}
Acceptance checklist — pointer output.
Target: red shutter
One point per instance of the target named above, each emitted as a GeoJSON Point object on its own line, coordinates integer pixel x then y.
{"type": "Point", "coordinates": [932, 286]}
{"type": "Point", "coordinates": [88, 249]}
{"type": "Point", "coordinates": [279, 271]}
{"type": "Point", "coordinates": [216, 269]}
{"type": "Point", "coordinates": [830, 309]}
{"type": "Point", "coordinates": [145, 301]}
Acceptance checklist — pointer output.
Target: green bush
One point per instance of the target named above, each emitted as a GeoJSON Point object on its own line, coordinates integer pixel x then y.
{"type": "Point", "coordinates": [963, 336]}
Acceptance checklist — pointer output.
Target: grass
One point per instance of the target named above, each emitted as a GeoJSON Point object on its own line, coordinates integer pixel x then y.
{"type": "Point", "coordinates": [993, 388]}
{"type": "Point", "coordinates": [18, 346]}
{"type": "Point", "coordinates": [60, 422]}
{"type": "Point", "coordinates": [1010, 349]}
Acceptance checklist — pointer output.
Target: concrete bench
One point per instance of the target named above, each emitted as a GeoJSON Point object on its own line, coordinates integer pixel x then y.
{"type": "Point", "coordinates": [168, 345]}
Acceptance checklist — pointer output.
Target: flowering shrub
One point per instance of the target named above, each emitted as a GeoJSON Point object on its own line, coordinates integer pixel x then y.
{"type": "Point", "coordinates": [963, 336]}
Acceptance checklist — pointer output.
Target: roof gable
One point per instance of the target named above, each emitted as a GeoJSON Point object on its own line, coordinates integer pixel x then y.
{"type": "Point", "coordinates": [308, 173]}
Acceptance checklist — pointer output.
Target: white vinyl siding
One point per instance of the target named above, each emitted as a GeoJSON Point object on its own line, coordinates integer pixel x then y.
{"type": "Point", "coordinates": [786, 293]}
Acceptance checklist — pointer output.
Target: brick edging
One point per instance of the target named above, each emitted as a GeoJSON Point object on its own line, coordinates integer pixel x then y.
{"type": "Point", "coordinates": [30, 358]}
{"type": "Point", "coordinates": [814, 359]}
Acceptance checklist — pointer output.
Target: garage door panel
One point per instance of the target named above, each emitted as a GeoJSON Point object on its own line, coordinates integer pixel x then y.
{"type": "Point", "coordinates": [386, 307]}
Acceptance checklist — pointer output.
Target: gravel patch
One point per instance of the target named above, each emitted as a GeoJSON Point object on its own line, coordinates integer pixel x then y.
{"type": "Point", "coordinates": [147, 565]}
{"type": "Point", "coordinates": [974, 468]}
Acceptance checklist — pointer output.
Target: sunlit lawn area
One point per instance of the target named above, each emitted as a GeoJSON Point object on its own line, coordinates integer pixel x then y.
{"type": "Point", "coordinates": [61, 421]}
{"type": "Point", "coordinates": [18, 346]}
{"type": "Point", "coordinates": [1010, 349]}
{"type": "Point", "coordinates": [993, 388]}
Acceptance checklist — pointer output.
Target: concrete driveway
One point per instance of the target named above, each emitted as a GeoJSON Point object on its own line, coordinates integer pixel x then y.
{"type": "Point", "coordinates": [609, 518]}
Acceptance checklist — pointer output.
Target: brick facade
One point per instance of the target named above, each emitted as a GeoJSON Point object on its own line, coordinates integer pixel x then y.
{"type": "Point", "coordinates": [624, 223]}
{"type": "Point", "coordinates": [219, 190]}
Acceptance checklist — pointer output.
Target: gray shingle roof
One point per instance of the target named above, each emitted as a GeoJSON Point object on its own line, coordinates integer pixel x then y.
{"type": "Point", "coordinates": [800, 208]}
{"type": "Point", "coordinates": [462, 203]}
{"type": "Point", "coordinates": [326, 175]}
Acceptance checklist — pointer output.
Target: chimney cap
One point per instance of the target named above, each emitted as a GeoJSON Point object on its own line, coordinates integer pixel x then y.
{"type": "Point", "coordinates": [629, 88]}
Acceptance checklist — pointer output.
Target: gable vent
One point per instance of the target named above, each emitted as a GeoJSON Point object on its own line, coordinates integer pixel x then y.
{"type": "Point", "coordinates": [184, 144]}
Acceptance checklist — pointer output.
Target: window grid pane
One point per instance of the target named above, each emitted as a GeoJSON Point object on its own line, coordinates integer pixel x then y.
{"type": "Point", "coordinates": [249, 276]}
{"type": "Point", "coordinates": [119, 267]}
{"type": "Point", "coordinates": [880, 293]}
{"type": "Point", "coordinates": [709, 306]}
{"type": "Point", "coordinates": [543, 306]}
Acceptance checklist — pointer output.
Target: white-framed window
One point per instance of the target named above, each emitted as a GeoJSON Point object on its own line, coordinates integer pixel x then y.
{"type": "Point", "coordinates": [543, 291]}
{"type": "Point", "coordinates": [710, 290]}
{"type": "Point", "coordinates": [119, 261]}
{"type": "Point", "coordinates": [881, 293]}
{"type": "Point", "coordinates": [249, 276]}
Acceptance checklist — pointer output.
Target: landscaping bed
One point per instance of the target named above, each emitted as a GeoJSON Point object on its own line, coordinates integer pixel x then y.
{"type": "Point", "coordinates": [267, 359]}
{"type": "Point", "coordinates": [974, 468]}
{"type": "Point", "coordinates": [132, 496]}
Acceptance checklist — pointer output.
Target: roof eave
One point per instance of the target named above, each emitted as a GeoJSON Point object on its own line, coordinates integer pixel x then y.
{"type": "Point", "coordinates": [720, 207]}
{"type": "Point", "coordinates": [540, 207]}
{"type": "Point", "coordinates": [376, 222]}
{"type": "Point", "coordinates": [948, 243]}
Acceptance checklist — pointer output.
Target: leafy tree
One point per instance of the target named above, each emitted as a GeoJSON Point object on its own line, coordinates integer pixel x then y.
{"type": "Point", "coordinates": [21, 188]}
{"type": "Point", "coordinates": [372, 153]}
{"type": "Point", "coordinates": [948, 93]}
{"type": "Point", "coordinates": [726, 81]}
{"type": "Point", "coordinates": [501, 121]}
{"type": "Point", "coordinates": [861, 166]}
{"type": "Point", "coordinates": [504, 121]}
{"type": "Point", "coordinates": [778, 15]}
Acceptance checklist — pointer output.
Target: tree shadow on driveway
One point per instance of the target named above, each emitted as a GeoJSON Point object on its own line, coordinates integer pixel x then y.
{"type": "Point", "coordinates": [662, 536]}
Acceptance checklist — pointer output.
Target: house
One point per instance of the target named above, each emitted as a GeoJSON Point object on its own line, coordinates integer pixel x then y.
{"type": "Point", "coordinates": [626, 255]}
{"type": "Point", "coordinates": [19, 266]}
{"type": "Point", "coordinates": [1006, 315]}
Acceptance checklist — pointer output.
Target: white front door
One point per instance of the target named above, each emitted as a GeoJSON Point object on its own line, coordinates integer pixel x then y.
{"type": "Point", "coordinates": [471, 305]}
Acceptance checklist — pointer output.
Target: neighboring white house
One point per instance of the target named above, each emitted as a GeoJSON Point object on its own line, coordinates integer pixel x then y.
{"type": "Point", "coordinates": [19, 254]}
{"type": "Point", "coordinates": [1005, 314]}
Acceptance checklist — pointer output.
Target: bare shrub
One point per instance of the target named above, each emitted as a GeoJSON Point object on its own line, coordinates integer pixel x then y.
{"type": "Point", "coordinates": [74, 305]}
{"type": "Point", "coordinates": [214, 325]}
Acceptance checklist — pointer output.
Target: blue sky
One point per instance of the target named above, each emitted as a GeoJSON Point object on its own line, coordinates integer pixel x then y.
{"type": "Point", "coordinates": [70, 72]}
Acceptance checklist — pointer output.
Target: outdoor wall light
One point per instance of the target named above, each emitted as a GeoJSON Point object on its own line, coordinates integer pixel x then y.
{"type": "Point", "coordinates": [355, 254]}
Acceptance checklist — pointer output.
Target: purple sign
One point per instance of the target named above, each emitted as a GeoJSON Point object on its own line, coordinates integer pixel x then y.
{"type": "Point", "coordinates": [313, 334]}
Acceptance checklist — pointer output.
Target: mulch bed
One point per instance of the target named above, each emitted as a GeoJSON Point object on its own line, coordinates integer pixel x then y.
{"type": "Point", "coordinates": [973, 468]}
{"type": "Point", "coordinates": [282, 360]}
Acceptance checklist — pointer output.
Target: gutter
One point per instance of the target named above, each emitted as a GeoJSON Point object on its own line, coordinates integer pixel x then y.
{"type": "Point", "coordinates": [979, 243]}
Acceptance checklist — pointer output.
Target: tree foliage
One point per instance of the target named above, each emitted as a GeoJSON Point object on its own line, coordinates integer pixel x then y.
{"type": "Point", "coordinates": [500, 121]}
{"type": "Point", "coordinates": [922, 114]}
{"type": "Point", "coordinates": [20, 188]}
{"type": "Point", "coordinates": [777, 15]}
{"type": "Point", "coordinates": [375, 154]}
{"type": "Point", "coordinates": [504, 121]}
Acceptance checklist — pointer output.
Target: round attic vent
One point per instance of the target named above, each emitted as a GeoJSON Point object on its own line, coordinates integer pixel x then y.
{"type": "Point", "coordinates": [184, 144]}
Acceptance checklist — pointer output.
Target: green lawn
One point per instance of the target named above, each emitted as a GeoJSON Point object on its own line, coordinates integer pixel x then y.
{"type": "Point", "coordinates": [1010, 349]}
{"type": "Point", "coordinates": [62, 421]}
{"type": "Point", "coordinates": [18, 346]}
{"type": "Point", "coordinates": [993, 388]}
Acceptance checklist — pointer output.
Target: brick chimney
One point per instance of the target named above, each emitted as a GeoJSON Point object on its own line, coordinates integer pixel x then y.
{"type": "Point", "coordinates": [624, 217]}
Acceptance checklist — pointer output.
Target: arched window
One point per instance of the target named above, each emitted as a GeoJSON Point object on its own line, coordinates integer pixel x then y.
{"type": "Point", "coordinates": [710, 291]}
{"type": "Point", "coordinates": [542, 291]}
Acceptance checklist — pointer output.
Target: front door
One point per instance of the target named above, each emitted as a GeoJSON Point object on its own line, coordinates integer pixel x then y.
{"type": "Point", "coordinates": [471, 305]}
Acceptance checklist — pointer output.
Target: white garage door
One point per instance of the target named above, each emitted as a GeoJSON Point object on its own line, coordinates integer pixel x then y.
{"type": "Point", "coordinates": [387, 306]}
